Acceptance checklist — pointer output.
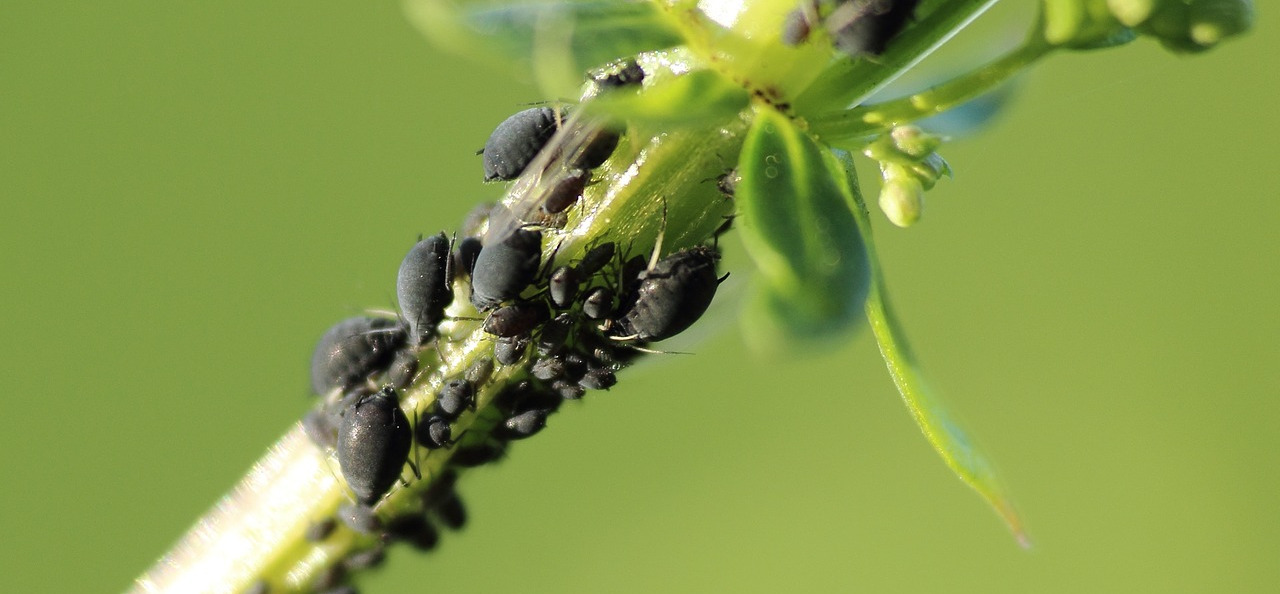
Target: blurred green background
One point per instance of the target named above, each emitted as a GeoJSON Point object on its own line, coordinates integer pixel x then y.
{"type": "Point", "coordinates": [191, 193]}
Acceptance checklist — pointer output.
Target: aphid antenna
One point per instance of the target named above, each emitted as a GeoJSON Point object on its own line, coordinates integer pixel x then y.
{"type": "Point", "coordinates": [641, 349]}
{"type": "Point", "coordinates": [662, 232]}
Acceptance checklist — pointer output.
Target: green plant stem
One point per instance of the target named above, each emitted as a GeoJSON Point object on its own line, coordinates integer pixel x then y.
{"type": "Point", "coordinates": [870, 120]}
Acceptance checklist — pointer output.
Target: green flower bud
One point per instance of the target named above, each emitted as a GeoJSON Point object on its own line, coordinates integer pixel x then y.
{"type": "Point", "coordinates": [1215, 20]}
{"type": "Point", "coordinates": [914, 142]}
{"type": "Point", "coordinates": [1187, 26]}
{"type": "Point", "coordinates": [930, 169]}
{"type": "Point", "coordinates": [1131, 13]}
{"type": "Point", "coordinates": [1082, 24]}
{"type": "Point", "coordinates": [902, 199]}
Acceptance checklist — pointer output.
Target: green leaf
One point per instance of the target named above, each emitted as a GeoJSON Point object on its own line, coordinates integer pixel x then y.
{"type": "Point", "coordinates": [695, 97]}
{"type": "Point", "coordinates": [553, 43]}
{"type": "Point", "coordinates": [943, 433]}
{"type": "Point", "coordinates": [792, 201]}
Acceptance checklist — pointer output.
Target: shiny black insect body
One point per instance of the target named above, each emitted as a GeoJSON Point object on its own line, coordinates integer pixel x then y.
{"type": "Point", "coordinates": [504, 269]}
{"type": "Point", "coordinates": [596, 258]}
{"type": "Point", "coordinates": [554, 334]}
{"type": "Point", "coordinates": [672, 295]}
{"type": "Point", "coordinates": [509, 351]}
{"type": "Point", "coordinates": [567, 189]}
{"type": "Point", "coordinates": [450, 511]}
{"type": "Point", "coordinates": [547, 368]}
{"type": "Point", "coordinates": [413, 529]}
{"type": "Point", "coordinates": [599, 146]}
{"type": "Point", "coordinates": [424, 287]}
{"type": "Point", "coordinates": [435, 433]}
{"type": "Point", "coordinates": [353, 349]}
{"type": "Point", "coordinates": [861, 27]}
{"type": "Point", "coordinates": [465, 254]}
{"type": "Point", "coordinates": [597, 304]}
{"type": "Point", "coordinates": [403, 369]}
{"type": "Point", "coordinates": [525, 424]}
{"type": "Point", "coordinates": [562, 287]}
{"type": "Point", "coordinates": [456, 395]}
{"type": "Point", "coordinates": [622, 73]}
{"type": "Point", "coordinates": [374, 438]}
{"type": "Point", "coordinates": [517, 140]}
{"type": "Point", "coordinates": [598, 379]}
{"type": "Point", "coordinates": [478, 455]}
{"type": "Point", "coordinates": [517, 319]}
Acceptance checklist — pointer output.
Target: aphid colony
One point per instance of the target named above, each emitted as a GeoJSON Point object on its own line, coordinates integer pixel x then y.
{"type": "Point", "coordinates": [566, 326]}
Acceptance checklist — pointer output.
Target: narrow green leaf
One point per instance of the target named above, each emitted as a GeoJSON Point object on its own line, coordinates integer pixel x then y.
{"type": "Point", "coordinates": [792, 201]}
{"type": "Point", "coordinates": [695, 97]}
{"type": "Point", "coordinates": [943, 433]}
{"type": "Point", "coordinates": [553, 43]}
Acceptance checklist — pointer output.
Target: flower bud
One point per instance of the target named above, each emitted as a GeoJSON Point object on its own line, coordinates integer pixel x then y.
{"type": "Point", "coordinates": [902, 200]}
{"type": "Point", "coordinates": [1131, 13]}
{"type": "Point", "coordinates": [914, 142]}
{"type": "Point", "coordinates": [1215, 20]}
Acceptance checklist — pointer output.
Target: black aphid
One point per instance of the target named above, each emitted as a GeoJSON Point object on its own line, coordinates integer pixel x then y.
{"type": "Point", "coordinates": [517, 140]}
{"type": "Point", "coordinates": [329, 577]}
{"type": "Point", "coordinates": [465, 254]}
{"type": "Point", "coordinates": [504, 269]}
{"type": "Point", "coordinates": [413, 529]}
{"type": "Point", "coordinates": [320, 530]}
{"type": "Point", "coordinates": [625, 72]}
{"type": "Point", "coordinates": [373, 444]}
{"type": "Point", "coordinates": [525, 424]}
{"type": "Point", "coordinates": [798, 23]}
{"type": "Point", "coordinates": [517, 319]}
{"type": "Point", "coordinates": [359, 518]}
{"type": "Point", "coordinates": [562, 287]}
{"type": "Point", "coordinates": [366, 559]}
{"type": "Point", "coordinates": [451, 512]}
{"type": "Point", "coordinates": [547, 368]}
{"type": "Point", "coordinates": [595, 259]}
{"type": "Point", "coordinates": [861, 27]}
{"type": "Point", "coordinates": [403, 369]}
{"type": "Point", "coordinates": [566, 190]}
{"type": "Point", "coordinates": [567, 390]}
{"type": "Point", "coordinates": [575, 366]}
{"type": "Point", "coordinates": [672, 295]}
{"type": "Point", "coordinates": [509, 351]}
{"type": "Point", "coordinates": [319, 427]}
{"type": "Point", "coordinates": [435, 433]}
{"type": "Point", "coordinates": [353, 349]}
{"type": "Point", "coordinates": [525, 395]}
{"type": "Point", "coordinates": [478, 455]}
{"type": "Point", "coordinates": [598, 303]}
{"type": "Point", "coordinates": [441, 487]}
{"type": "Point", "coordinates": [479, 371]}
{"type": "Point", "coordinates": [554, 334]}
{"type": "Point", "coordinates": [424, 287]}
{"type": "Point", "coordinates": [598, 379]}
{"type": "Point", "coordinates": [476, 219]}
{"type": "Point", "coordinates": [456, 396]}
{"type": "Point", "coordinates": [597, 149]}
{"type": "Point", "coordinates": [727, 182]}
